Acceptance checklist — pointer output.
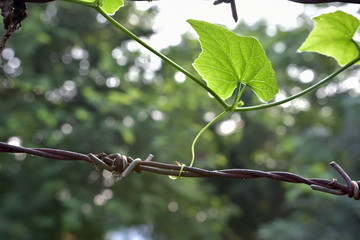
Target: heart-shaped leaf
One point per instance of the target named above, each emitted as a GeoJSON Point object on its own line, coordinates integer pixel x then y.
{"type": "Point", "coordinates": [111, 6]}
{"type": "Point", "coordinates": [332, 36]}
{"type": "Point", "coordinates": [228, 59]}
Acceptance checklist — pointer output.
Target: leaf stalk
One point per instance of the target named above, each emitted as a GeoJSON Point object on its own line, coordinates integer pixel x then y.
{"type": "Point", "coordinates": [238, 92]}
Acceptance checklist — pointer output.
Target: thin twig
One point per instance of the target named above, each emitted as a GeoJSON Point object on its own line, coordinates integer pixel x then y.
{"type": "Point", "coordinates": [118, 165]}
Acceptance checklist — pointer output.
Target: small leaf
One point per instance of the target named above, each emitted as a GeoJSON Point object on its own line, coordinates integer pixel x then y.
{"type": "Point", "coordinates": [228, 59]}
{"type": "Point", "coordinates": [111, 6]}
{"type": "Point", "coordinates": [332, 36]}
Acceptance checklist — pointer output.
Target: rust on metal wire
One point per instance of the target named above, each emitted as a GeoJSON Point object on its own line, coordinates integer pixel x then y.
{"type": "Point", "coordinates": [122, 166]}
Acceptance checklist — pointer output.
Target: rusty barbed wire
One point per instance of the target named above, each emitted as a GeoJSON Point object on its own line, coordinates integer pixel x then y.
{"type": "Point", "coordinates": [122, 166]}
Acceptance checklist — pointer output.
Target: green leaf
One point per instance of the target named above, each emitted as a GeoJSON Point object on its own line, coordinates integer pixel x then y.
{"type": "Point", "coordinates": [228, 59]}
{"type": "Point", "coordinates": [332, 36]}
{"type": "Point", "coordinates": [111, 6]}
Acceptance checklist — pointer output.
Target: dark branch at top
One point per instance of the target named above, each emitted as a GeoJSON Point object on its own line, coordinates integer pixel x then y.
{"type": "Point", "coordinates": [233, 7]}
{"type": "Point", "coordinates": [234, 12]}
{"type": "Point", "coordinates": [13, 13]}
{"type": "Point", "coordinates": [228, 1]}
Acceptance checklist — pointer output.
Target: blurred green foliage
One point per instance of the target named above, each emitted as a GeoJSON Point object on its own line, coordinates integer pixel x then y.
{"type": "Point", "coordinates": [71, 81]}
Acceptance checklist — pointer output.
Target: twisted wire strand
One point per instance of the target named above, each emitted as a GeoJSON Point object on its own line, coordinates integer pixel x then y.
{"type": "Point", "coordinates": [119, 164]}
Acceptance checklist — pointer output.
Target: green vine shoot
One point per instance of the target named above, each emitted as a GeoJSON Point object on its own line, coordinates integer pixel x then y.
{"type": "Point", "coordinates": [230, 63]}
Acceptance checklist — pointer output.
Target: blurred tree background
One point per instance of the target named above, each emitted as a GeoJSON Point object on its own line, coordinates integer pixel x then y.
{"type": "Point", "coordinates": [71, 81]}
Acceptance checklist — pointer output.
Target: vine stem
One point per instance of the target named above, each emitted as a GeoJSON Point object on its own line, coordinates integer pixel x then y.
{"type": "Point", "coordinates": [162, 56]}
{"type": "Point", "coordinates": [309, 89]}
{"type": "Point", "coordinates": [201, 132]}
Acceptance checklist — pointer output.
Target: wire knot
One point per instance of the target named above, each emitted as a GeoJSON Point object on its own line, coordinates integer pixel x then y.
{"type": "Point", "coordinates": [352, 188]}
{"type": "Point", "coordinates": [120, 165]}
{"type": "Point", "coordinates": [356, 191]}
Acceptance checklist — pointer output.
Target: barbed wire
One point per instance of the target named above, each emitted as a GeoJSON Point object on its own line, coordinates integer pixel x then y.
{"type": "Point", "coordinates": [121, 166]}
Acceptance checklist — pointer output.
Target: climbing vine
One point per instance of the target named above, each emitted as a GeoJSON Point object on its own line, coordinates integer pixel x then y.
{"type": "Point", "coordinates": [229, 64]}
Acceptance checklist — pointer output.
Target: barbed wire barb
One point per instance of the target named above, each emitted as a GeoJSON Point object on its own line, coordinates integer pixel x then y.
{"type": "Point", "coordinates": [121, 166]}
